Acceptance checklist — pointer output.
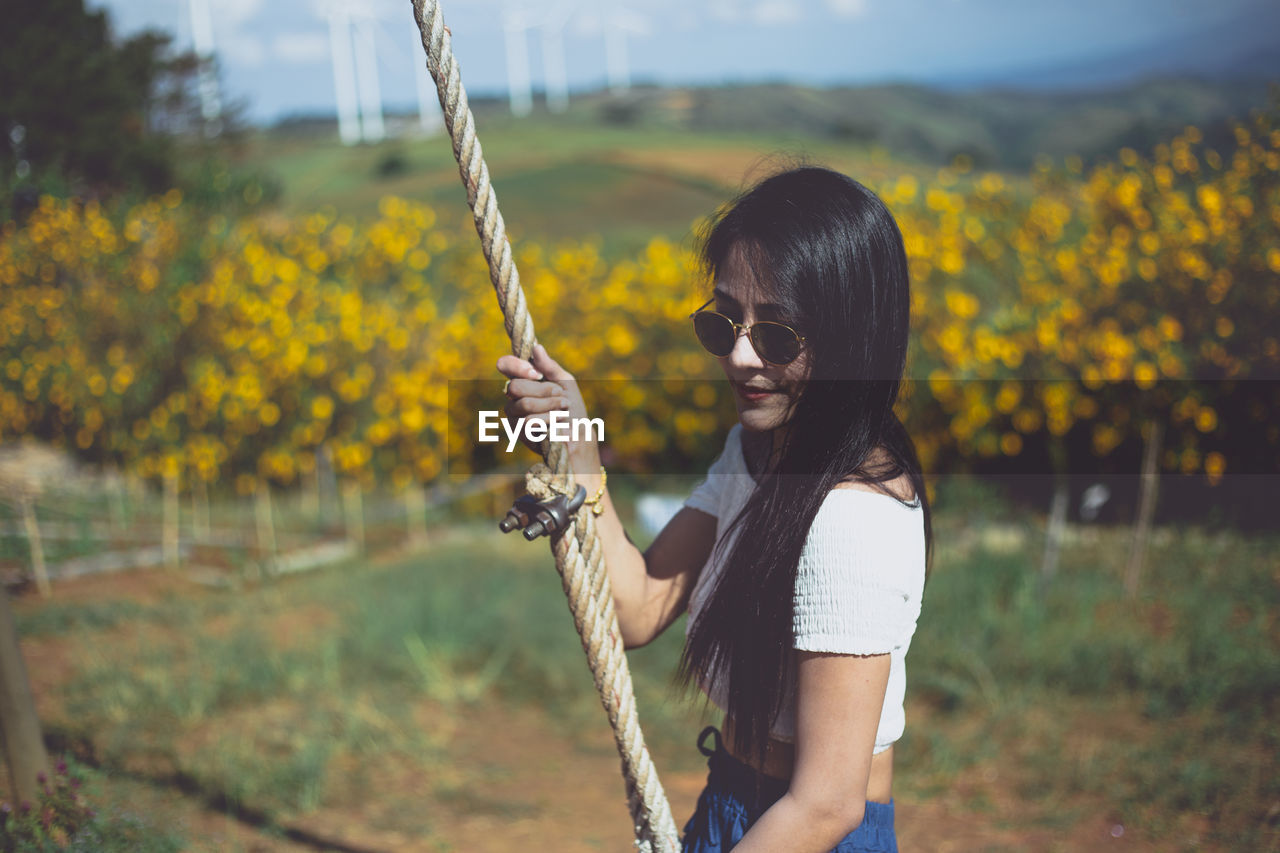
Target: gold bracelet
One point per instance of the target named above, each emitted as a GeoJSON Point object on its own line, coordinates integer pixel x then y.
{"type": "Point", "coordinates": [594, 502]}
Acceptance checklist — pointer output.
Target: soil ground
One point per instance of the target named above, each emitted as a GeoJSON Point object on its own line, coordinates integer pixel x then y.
{"type": "Point", "coordinates": [511, 778]}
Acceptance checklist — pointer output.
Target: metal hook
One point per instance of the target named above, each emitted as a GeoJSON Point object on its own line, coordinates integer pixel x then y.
{"type": "Point", "coordinates": [542, 518]}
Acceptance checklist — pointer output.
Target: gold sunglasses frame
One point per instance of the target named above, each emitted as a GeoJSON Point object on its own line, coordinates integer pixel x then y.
{"type": "Point", "coordinates": [739, 328]}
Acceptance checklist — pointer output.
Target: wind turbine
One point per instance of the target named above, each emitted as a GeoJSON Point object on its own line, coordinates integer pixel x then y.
{"type": "Point", "coordinates": [430, 116]}
{"type": "Point", "coordinates": [618, 23]}
{"type": "Point", "coordinates": [555, 78]}
{"type": "Point", "coordinates": [617, 63]}
{"type": "Point", "coordinates": [515, 26]}
{"type": "Point", "coordinates": [372, 128]}
{"type": "Point", "coordinates": [202, 39]}
{"type": "Point", "coordinates": [344, 73]}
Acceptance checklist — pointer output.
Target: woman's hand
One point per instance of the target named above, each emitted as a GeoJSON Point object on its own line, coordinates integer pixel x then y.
{"type": "Point", "coordinates": [540, 386]}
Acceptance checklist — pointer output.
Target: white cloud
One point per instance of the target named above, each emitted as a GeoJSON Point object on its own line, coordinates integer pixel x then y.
{"type": "Point", "coordinates": [301, 47]}
{"type": "Point", "coordinates": [630, 21]}
{"type": "Point", "coordinates": [633, 22]}
{"type": "Point", "coordinates": [684, 20]}
{"type": "Point", "coordinates": [588, 24]}
{"type": "Point", "coordinates": [773, 12]}
{"type": "Point", "coordinates": [764, 13]}
{"type": "Point", "coordinates": [231, 39]}
{"type": "Point", "coordinates": [725, 10]}
{"type": "Point", "coordinates": [241, 49]}
{"type": "Point", "coordinates": [232, 13]}
{"type": "Point", "coordinates": [848, 8]}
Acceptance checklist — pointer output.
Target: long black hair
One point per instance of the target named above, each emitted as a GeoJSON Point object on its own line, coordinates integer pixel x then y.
{"type": "Point", "coordinates": [828, 251]}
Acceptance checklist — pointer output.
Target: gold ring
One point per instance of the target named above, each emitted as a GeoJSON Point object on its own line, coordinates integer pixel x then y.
{"type": "Point", "coordinates": [506, 387]}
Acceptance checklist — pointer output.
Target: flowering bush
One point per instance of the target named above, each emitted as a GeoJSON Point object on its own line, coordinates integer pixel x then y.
{"type": "Point", "coordinates": [61, 820]}
{"type": "Point", "coordinates": [182, 343]}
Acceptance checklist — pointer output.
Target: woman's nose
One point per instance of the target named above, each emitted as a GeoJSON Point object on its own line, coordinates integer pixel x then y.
{"type": "Point", "coordinates": [743, 354]}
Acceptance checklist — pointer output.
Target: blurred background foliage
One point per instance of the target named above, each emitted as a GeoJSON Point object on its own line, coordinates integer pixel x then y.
{"type": "Point", "coordinates": [236, 309]}
{"type": "Point", "coordinates": [1065, 308]}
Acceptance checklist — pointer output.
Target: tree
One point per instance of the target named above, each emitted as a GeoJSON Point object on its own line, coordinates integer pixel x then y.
{"type": "Point", "coordinates": [19, 726]}
{"type": "Point", "coordinates": [86, 112]}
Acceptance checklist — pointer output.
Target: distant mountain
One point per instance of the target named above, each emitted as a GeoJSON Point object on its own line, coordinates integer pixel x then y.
{"type": "Point", "coordinates": [1244, 46]}
{"type": "Point", "coordinates": [997, 128]}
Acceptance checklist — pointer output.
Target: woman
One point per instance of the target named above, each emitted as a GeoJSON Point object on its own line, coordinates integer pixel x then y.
{"type": "Point", "coordinates": [802, 557]}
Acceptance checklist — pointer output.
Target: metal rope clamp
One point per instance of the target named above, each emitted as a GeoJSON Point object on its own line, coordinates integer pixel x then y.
{"type": "Point", "coordinates": [545, 517]}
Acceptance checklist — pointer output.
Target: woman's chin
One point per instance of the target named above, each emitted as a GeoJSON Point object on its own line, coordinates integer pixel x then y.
{"type": "Point", "coordinates": [759, 418]}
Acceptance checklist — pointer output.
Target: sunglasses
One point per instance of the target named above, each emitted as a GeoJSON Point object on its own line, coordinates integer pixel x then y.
{"type": "Point", "coordinates": [775, 343]}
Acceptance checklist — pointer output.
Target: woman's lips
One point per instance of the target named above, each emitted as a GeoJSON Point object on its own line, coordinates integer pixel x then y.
{"type": "Point", "coordinates": [752, 395]}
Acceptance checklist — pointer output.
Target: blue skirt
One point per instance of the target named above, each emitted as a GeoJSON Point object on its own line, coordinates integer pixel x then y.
{"type": "Point", "coordinates": [736, 796]}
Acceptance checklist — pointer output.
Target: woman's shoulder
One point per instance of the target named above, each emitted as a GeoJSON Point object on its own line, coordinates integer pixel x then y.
{"type": "Point", "coordinates": [863, 563]}
{"type": "Point", "coordinates": [860, 524]}
{"type": "Point", "coordinates": [899, 489]}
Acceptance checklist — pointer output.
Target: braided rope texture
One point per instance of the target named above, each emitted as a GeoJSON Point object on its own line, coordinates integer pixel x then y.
{"type": "Point", "coordinates": [579, 555]}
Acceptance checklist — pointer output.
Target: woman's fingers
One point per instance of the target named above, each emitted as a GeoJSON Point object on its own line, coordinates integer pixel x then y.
{"type": "Point", "coordinates": [545, 363]}
{"type": "Point", "coordinates": [533, 409]}
{"type": "Point", "coordinates": [526, 380]}
{"type": "Point", "coordinates": [518, 388]}
{"type": "Point", "coordinates": [537, 387]}
{"type": "Point", "coordinates": [514, 367]}
{"type": "Point", "coordinates": [531, 406]}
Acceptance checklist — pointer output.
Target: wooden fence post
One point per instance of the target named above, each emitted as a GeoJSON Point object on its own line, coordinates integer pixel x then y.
{"type": "Point", "coordinates": [1149, 492]}
{"type": "Point", "coordinates": [169, 537]}
{"type": "Point", "coordinates": [499, 499]}
{"type": "Point", "coordinates": [35, 543]}
{"type": "Point", "coordinates": [1057, 525]}
{"type": "Point", "coordinates": [415, 514]}
{"type": "Point", "coordinates": [19, 726]}
{"type": "Point", "coordinates": [353, 506]}
{"type": "Point", "coordinates": [326, 484]}
{"type": "Point", "coordinates": [1057, 513]}
{"type": "Point", "coordinates": [115, 498]}
{"type": "Point", "coordinates": [266, 528]}
{"type": "Point", "coordinates": [137, 490]}
{"type": "Point", "coordinates": [199, 509]}
{"type": "Point", "coordinates": [311, 492]}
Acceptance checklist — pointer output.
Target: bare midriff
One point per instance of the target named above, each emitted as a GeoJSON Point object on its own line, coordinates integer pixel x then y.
{"type": "Point", "coordinates": [780, 757]}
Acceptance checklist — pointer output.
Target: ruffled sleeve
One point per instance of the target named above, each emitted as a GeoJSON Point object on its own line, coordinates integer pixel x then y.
{"type": "Point", "coordinates": [707, 496]}
{"type": "Point", "coordinates": [861, 575]}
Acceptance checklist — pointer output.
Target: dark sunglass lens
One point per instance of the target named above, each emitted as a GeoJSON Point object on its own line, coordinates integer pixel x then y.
{"type": "Point", "coordinates": [775, 342]}
{"type": "Point", "coordinates": [715, 332]}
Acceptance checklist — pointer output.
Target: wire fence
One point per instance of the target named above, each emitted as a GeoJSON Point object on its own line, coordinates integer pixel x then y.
{"type": "Point", "coordinates": [58, 531]}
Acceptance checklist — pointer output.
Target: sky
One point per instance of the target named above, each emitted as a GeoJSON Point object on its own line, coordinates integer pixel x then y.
{"type": "Point", "coordinates": [275, 54]}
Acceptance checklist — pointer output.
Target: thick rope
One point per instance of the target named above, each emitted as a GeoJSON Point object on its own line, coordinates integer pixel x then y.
{"type": "Point", "coordinates": [579, 555]}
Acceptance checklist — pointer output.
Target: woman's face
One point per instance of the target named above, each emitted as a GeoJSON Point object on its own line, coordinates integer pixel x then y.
{"type": "Point", "coordinates": [765, 393]}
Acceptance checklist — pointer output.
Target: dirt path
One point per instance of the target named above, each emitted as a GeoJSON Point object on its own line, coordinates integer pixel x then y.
{"type": "Point", "coordinates": [509, 778]}
{"type": "Point", "coordinates": [525, 785]}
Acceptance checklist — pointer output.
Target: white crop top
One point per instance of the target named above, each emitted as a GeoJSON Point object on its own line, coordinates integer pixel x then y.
{"type": "Point", "coordinates": [858, 587]}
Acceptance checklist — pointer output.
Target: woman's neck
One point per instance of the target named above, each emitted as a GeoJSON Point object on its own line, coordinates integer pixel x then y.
{"type": "Point", "coordinates": [779, 438]}
{"type": "Point", "coordinates": [763, 450]}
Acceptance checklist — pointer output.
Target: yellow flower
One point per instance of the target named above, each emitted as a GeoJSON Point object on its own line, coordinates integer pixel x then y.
{"type": "Point", "coordinates": [322, 407]}
{"type": "Point", "coordinates": [961, 304]}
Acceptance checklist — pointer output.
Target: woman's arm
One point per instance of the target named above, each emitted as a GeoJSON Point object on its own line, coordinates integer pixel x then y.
{"type": "Point", "coordinates": [838, 703]}
{"type": "Point", "coordinates": [650, 589]}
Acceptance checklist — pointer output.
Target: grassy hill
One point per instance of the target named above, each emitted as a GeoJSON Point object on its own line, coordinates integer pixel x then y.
{"type": "Point", "coordinates": [557, 177]}
{"type": "Point", "coordinates": [999, 129]}
{"type": "Point", "coordinates": [652, 162]}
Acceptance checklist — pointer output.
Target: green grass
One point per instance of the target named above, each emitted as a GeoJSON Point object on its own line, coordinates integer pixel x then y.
{"type": "Point", "coordinates": [625, 169]}
{"type": "Point", "coordinates": [572, 179]}
{"type": "Point", "coordinates": [262, 724]}
{"type": "Point", "coordinates": [1160, 708]}
{"type": "Point", "coordinates": [75, 814]}
{"type": "Point", "coordinates": [1163, 705]}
